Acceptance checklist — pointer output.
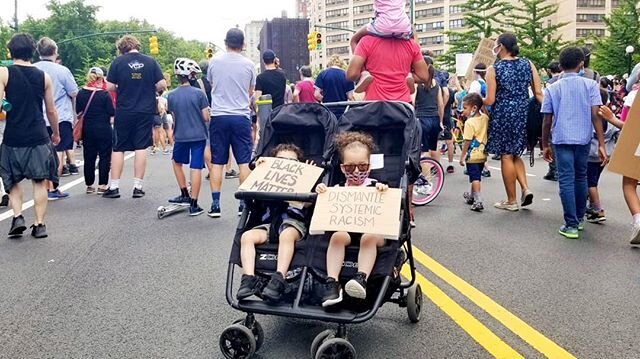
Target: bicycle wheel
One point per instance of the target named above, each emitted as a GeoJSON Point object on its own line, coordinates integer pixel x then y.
{"type": "Point", "coordinates": [428, 185]}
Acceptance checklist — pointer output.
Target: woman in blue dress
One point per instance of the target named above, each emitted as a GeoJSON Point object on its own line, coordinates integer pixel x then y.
{"type": "Point", "coordinates": [508, 95]}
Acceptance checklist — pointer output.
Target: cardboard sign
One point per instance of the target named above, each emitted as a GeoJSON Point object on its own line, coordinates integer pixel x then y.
{"type": "Point", "coordinates": [358, 210]}
{"type": "Point", "coordinates": [282, 175]}
{"type": "Point", "coordinates": [462, 63]}
{"type": "Point", "coordinates": [625, 159]}
{"type": "Point", "coordinates": [483, 55]}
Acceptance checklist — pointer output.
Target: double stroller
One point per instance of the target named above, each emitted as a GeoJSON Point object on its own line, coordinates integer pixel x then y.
{"type": "Point", "coordinates": [312, 128]}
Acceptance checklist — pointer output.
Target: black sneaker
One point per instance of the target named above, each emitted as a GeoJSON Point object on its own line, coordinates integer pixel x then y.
{"type": "Point", "coordinates": [111, 193]}
{"type": "Point", "coordinates": [450, 169]}
{"type": "Point", "coordinates": [195, 211]}
{"type": "Point", "coordinates": [357, 286]}
{"type": "Point", "coordinates": [468, 198]}
{"type": "Point", "coordinates": [17, 227]}
{"type": "Point", "coordinates": [65, 171]}
{"type": "Point", "coordinates": [551, 177]}
{"type": "Point", "coordinates": [183, 200]}
{"type": "Point", "coordinates": [214, 211]}
{"type": "Point", "coordinates": [231, 174]}
{"type": "Point", "coordinates": [477, 207]}
{"type": "Point", "coordinates": [333, 293]}
{"type": "Point", "coordinates": [486, 173]}
{"type": "Point", "coordinates": [595, 216]}
{"type": "Point", "coordinates": [39, 231]}
{"type": "Point", "coordinates": [248, 286]}
{"type": "Point", "coordinates": [138, 193]}
{"type": "Point", "coordinates": [5, 201]}
{"type": "Point", "coordinates": [273, 291]}
{"type": "Point", "coordinates": [73, 169]}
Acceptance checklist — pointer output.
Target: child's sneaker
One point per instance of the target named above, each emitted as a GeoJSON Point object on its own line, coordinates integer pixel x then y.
{"type": "Point", "coordinates": [5, 201]}
{"type": "Point", "coordinates": [468, 198]}
{"type": "Point", "coordinates": [333, 293]}
{"type": "Point", "coordinates": [635, 234]}
{"type": "Point", "coordinates": [486, 173]}
{"type": "Point", "coordinates": [195, 210]}
{"type": "Point", "coordinates": [214, 211]}
{"type": "Point", "coordinates": [111, 193]}
{"type": "Point", "coordinates": [477, 207]}
{"type": "Point", "coordinates": [595, 216]}
{"type": "Point", "coordinates": [450, 169]}
{"type": "Point", "coordinates": [17, 227]}
{"type": "Point", "coordinates": [57, 194]}
{"type": "Point", "coordinates": [357, 286]}
{"type": "Point", "coordinates": [73, 169]}
{"type": "Point", "coordinates": [138, 193]}
{"type": "Point", "coordinates": [273, 291]}
{"type": "Point", "coordinates": [568, 232]}
{"type": "Point", "coordinates": [248, 286]}
{"type": "Point", "coordinates": [65, 171]}
{"type": "Point", "coordinates": [364, 82]}
{"type": "Point", "coordinates": [182, 200]}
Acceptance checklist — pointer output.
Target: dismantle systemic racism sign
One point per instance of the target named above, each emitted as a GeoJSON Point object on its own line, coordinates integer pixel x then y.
{"type": "Point", "coordinates": [358, 210]}
{"type": "Point", "coordinates": [282, 176]}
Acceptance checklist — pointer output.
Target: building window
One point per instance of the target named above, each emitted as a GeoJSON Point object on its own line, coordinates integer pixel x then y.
{"type": "Point", "coordinates": [423, 2]}
{"type": "Point", "coordinates": [589, 32]}
{"type": "Point", "coordinates": [438, 52]}
{"type": "Point", "coordinates": [358, 23]}
{"type": "Point", "coordinates": [342, 50]}
{"type": "Point", "coordinates": [456, 24]}
{"type": "Point", "coordinates": [590, 18]}
{"type": "Point", "coordinates": [421, 27]}
{"type": "Point", "coordinates": [433, 40]}
{"type": "Point", "coordinates": [454, 37]}
{"type": "Point", "coordinates": [439, 11]}
{"type": "Point", "coordinates": [455, 10]}
{"type": "Point", "coordinates": [336, 2]}
{"type": "Point", "coordinates": [337, 38]}
{"type": "Point", "coordinates": [591, 3]}
{"type": "Point", "coordinates": [363, 9]}
{"type": "Point", "coordinates": [338, 12]}
{"type": "Point", "coordinates": [615, 3]}
{"type": "Point", "coordinates": [340, 24]}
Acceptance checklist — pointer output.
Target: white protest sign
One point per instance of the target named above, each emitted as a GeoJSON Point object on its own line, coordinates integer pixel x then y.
{"type": "Point", "coordinates": [282, 175]}
{"type": "Point", "coordinates": [462, 63]}
{"type": "Point", "coordinates": [376, 161]}
{"type": "Point", "coordinates": [358, 210]}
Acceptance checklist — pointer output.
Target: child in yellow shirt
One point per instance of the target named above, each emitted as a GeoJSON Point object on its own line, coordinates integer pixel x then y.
{"type": "Point", "coordinates": [473, 154]}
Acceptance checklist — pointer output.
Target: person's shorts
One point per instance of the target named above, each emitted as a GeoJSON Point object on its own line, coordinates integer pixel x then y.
{"type": "Point", "coordinates": [66, 136]}
{"type": "Point", "coordinates": [234, 131]}
{"type": "Point", "coordinates": [475, 171]}
{"type": "Point", "coordinates": [299, 226]}
{"type": "Point", "coordinates": [133, 131]}
{"type": "Point", "coordinates": [36, 163]}
{"type": "Point", "coordinates": [190, 153]}
{"type": "Point", "coordinates": [446, 135]}
{"type": "Point", "coordinates": [594, 170]}
{"type": "Point", "coordinates": [430, 132]}
{"type": "Point", "coordinates": [157, 121]}
{"type": "Point", "coordinates": [167, 122]}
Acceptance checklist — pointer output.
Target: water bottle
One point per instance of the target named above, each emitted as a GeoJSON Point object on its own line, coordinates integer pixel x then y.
{"type": "Point", "coordinates": [6, 105]}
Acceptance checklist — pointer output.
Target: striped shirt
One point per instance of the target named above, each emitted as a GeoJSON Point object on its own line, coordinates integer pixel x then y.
{"type": "Point", "coordinates": [570, 100]}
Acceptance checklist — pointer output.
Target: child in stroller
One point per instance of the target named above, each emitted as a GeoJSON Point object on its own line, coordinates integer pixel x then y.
{"type": "Point", "coordinates": [292, 229]}
{"type": "Point", "coordinates": [355, 149]}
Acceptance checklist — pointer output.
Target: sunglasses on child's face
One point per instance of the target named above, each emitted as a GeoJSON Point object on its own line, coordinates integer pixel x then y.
{"type": "Point", "coordinates": [287, 158]}
{"type": "Point", "coordinates": [362, 167]}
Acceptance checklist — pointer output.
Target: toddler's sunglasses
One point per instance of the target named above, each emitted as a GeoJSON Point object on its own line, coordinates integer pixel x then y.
{"type": "Point", "coordinates": [362, 167]}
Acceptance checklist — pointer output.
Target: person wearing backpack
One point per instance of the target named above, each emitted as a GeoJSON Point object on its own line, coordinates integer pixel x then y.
{"type": "Point", "coordinates": [479, 86]}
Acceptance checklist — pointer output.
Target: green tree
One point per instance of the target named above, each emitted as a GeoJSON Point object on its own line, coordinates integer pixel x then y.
{"type": "Point", "coordinates": [531, 21]}
{"type": "Point", "coordinates": [623, 26]}
{"type": "Point", "coordinates": [482, 19]}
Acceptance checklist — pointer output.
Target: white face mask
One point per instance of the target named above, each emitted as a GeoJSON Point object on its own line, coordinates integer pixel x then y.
{"type": "Point", "coordinates": [495, 50]}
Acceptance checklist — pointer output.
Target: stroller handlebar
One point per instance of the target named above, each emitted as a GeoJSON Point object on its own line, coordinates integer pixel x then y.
{"type": "Point", "coordinates": [271, 196]}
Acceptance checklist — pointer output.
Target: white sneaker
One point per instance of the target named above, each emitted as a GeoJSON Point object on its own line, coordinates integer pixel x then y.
{"type": "Point", "coordinates": [513, 207]}
{"type": "Point", "coordinates": [364, 82]}
{"type": "Point", "coordinates": [635, 234]}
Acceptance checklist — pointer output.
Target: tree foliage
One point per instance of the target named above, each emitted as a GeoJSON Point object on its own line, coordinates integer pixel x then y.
{"type": "Point", "coordinates": [623, 26]}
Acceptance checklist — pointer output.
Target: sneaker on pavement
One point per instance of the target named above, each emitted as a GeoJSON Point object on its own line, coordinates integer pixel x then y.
{"type": "Point", "coordinates": [477, 207]}
{"type": "Point", "coordinates": [569, 232]}
{"type": "Point", "coordinates": [18, 226]}
{"type": "Point", "coordinates": [527, 198]}
{"type": "Point", "coordinates": [513, 207]}
{"type": "Point", "coordinates": [596, 216]}
{"type": "Point", "coordinates": [333, 293]}
{"type": "Point", "coordinates": [90, 190]}
{"type": "Point", "coordinates": [443, 148]}
{"type": "Point", "coordinates": [111, 193]}
{"type": "Point", "coordinates": [5, 201]}
{"type": "Point", "coordinates": [138, 193]}
{"type": "Point", "coordinates": [57, 194]}
{"type": "Point", "coordinates": [450, 169]}
{"type": "Point", "coordinates": [248, 286]}
{"type": "Point", "coordinates": [468, 198]}
{"type": "Point", "coordinates": [214, 211]}
{"type": "Point", "coordinates": [101, 191]}
{"type": "Point", "coordinates": [231, 174]}
{"type": "Point", "coordinates": [550, 177]}
{"type": "Point", "coordinates": [182, 200]}
{"type": "Point", "coordinates": [496, 157]}
{"type": "Point", "coordinates": [195, 211]}
{"type": "Point", "coordinates": [357, 286]}
{"type": "Point", "coordinates": [274, 289]}
{"type": "Point", "coordinates": [635, 234]}
{"type": "Point", "coordinates": [486, 173]}
{"type": "Point", "coordinates": [73, 169]}
{"type": "Point", "coordinates": [364, 82]}
{"type": "Point", "coordinates": [65, 171]}
{"type": "Point", "coordinates": [39, 231]}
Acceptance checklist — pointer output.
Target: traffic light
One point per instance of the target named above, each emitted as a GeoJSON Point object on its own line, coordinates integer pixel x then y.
{"type": "Point", "coordinates": [153, 45]}
{"type": "Point", "coordinates": [318, 41]}
{"type": "Point", "coordinates": [208, 53]}
{"type": "Point", "coordinates": [311, 40]}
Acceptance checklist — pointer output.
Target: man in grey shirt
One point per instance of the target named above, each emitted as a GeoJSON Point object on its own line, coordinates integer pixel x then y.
{"type": "Point", "coordinates": [233, 79]}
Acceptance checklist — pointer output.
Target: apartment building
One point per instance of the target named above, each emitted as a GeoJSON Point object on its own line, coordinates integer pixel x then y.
{"type": "Point", "coordinates": [334, 18]}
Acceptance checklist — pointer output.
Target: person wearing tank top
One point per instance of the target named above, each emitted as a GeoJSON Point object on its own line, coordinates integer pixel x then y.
{"type": "Point", "coordinates": [27, 151]}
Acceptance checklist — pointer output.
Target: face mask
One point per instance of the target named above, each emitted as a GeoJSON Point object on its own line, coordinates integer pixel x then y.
{"type": "Point", "coordinates": [472, 114]}
{"type": "Point", "coordinates": [581, 72]}
{"type": "Point", "coordinates": [356, 178]}
{"type": "Point", "coordinates": [495, 50]}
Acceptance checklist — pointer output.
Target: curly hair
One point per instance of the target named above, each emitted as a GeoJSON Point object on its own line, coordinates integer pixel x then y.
{"type": "Point", "coordinates": [288, 147]}
{"type": "Point", "coordinates": [346, 140]}
{"type": "Point", "coordinates": [473, 99]}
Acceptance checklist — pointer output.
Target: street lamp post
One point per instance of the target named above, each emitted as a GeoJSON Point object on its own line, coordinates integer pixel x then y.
{"type": "Point", "coordinates": [629, 50]}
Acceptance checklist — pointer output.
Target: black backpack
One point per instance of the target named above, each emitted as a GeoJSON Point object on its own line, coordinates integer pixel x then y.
{"type": "Point", "coordinates": [534, 127]}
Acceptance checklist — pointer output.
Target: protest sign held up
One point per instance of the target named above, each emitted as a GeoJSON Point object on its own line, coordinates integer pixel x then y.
{"type": "Point", "coordinates": [358, 210]}
{"type": "Point", "coordinates": [626, 157]}
{"type": "Point", "coordinates": [282, 175]}
{"type": "Point", "coordinates": [483, 54]}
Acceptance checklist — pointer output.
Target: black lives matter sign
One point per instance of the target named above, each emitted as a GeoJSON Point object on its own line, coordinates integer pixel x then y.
{"type": "Point", "coordinates": [282, 176]}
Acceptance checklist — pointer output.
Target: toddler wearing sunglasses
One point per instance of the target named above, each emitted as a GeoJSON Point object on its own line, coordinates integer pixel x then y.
{"type": "Point", "coordinates": [292, 229]}
{"type": "Point", "coordinates": [355, 150]}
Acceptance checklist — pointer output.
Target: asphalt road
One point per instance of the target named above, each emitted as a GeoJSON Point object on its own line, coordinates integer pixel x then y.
{"type": "Point", "coordinates": [112, 281]}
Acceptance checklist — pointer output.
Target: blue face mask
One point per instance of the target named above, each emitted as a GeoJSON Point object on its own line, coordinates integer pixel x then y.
{"type": "Point", "coordinates": [581, 72]}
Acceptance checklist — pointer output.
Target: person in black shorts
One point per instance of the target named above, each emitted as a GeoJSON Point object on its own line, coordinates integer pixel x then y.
{"type": "Point", "coordinates": [136, 78]}
{"type": "Point", "coordinates": [27, 150]}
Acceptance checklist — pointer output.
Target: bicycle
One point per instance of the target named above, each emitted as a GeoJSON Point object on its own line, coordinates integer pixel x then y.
{"type": "Point", "coordinates": [428, 186]}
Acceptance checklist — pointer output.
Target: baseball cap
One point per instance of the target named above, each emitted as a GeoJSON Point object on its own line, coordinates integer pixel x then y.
{"type": "Point", "coordinates": [268, 56]}
{"type": "Point", "coordinates": [96, 70]}
{"type": "Point", "coordinates": [234, 38]}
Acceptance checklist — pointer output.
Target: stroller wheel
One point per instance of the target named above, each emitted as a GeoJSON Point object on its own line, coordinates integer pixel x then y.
{"type": "Point", "coordinates": [257, 331]}
{"type": "Point", "coordinates": [319, 339]}
{"type": "Point", "coordinates": [237, 342]}
{"type": "Point", "coordinates": [414, 303]}
{"type": "Point", "coordinates": [336, 348]}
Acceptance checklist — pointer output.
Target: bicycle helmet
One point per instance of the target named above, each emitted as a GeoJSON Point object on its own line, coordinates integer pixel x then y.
{"type": "Point", "coordinates": [185, 67]}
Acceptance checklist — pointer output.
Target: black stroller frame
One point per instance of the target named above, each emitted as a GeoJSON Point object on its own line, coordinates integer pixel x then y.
{"type": "Point", "coordinates": [245, 336]}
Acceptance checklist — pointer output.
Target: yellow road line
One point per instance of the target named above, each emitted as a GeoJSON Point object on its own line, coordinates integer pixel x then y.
{"type": "Point", "coordinates": [478, 331]}
{"type": "Point", "coordinates": [538, 341]}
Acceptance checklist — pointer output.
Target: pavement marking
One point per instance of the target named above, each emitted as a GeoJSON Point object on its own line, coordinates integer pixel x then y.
{"type": "Point", "coordinates": [538, 341]}
{"type": "Point", "coordinates": [478, 331]}
{"type": "Point", "coordinates": [9, 213]}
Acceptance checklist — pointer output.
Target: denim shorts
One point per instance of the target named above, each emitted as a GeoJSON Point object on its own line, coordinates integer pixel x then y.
{"type": "Point", "coordinates": [190, 153]}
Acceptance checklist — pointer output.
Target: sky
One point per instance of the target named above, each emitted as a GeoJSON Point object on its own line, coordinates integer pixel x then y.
{"type": "Point", "coordinates": [205, 20]}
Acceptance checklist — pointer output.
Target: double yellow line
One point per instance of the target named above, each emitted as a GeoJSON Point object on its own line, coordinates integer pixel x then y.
{"type": "Point", "coordinates": [478, 331]}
